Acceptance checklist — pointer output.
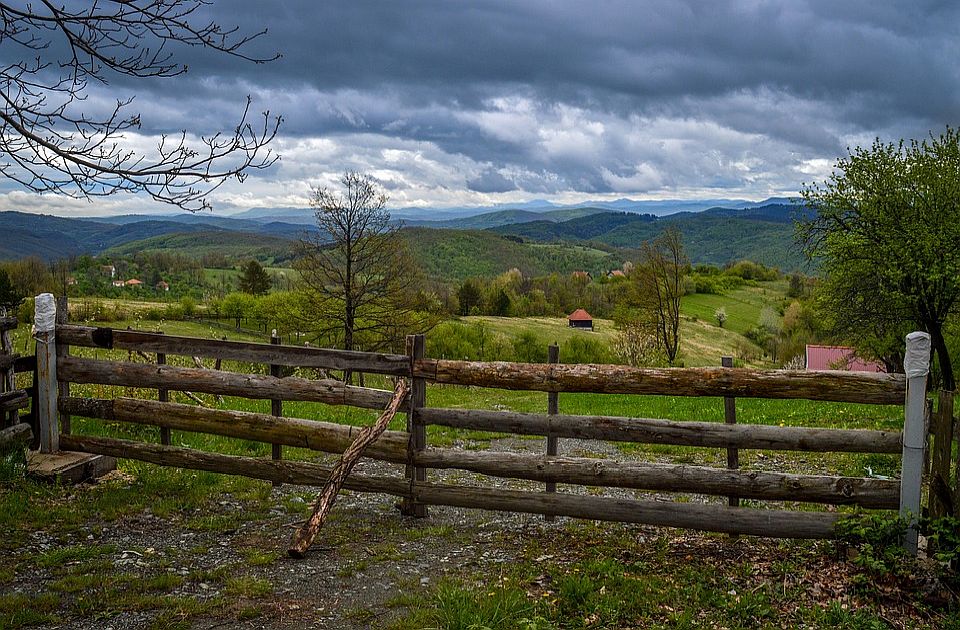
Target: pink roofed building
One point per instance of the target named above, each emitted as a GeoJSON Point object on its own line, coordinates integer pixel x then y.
{"type": "Point", "coordinates": [839, 358]}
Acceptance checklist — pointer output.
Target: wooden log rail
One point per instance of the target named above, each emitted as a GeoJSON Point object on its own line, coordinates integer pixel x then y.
{"type": "Point", "coordinates": [657, 431]}
{"type": "Point", "coordinates": [835, 386]}
{"type": "Point", "coordinates": [20, 433]}
{"type": "Point", "coordinates": [392, 445]}
{"type": "Point", "coordinates": [329, 437]}
{"type": "Point", "coordinates": [13, 401]}
{"type": "Point", "coordinates": [717, 518]}
{"type": "Point", "coordinates": [129, 374]}
{"type": "Point", "coordinates": [298, 356]}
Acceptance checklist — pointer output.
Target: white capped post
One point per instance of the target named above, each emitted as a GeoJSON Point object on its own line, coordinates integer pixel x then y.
{"type": "Point", "coordinates": [45, 332]}
{"type": "Point", "coordinates": [916, 364]}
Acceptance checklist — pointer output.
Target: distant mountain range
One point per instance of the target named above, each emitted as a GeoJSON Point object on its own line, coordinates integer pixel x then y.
{"type": "Point", "coordinates": [717, 235]}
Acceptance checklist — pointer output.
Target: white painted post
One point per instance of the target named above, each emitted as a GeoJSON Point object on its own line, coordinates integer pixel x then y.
{"type": "Point", "coordinates": [45, 332]}
{"type": "Point", "coordinates": [916, 364]}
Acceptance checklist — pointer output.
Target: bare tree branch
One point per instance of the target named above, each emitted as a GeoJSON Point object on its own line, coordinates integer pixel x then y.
{"type": "Point", "coordinates": [48, 144]}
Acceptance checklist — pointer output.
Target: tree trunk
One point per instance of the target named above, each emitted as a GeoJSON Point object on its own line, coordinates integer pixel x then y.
{"type": "Point", "coordinates": [943, 356]}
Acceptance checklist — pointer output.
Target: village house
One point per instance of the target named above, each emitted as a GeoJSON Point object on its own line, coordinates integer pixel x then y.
{"type": "Point", "coordinates": [162, 286]}
{"type": "Point", "coordinates": [580, 319]}
{"type": "Point", "coordinates": [616, 273]}
{"type": "Point", "coordinates": [132, 282]}
{"type": "Point", "coordinates": [580, 275]}
{"type": "Point", "coordinates": [108, 270]}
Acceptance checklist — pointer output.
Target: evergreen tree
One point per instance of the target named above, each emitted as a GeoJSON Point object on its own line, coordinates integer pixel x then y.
{"type": "Point", "coordinates": [254, 279]}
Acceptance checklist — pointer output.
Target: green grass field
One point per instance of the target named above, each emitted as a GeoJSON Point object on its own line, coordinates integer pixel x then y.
{"type": "Point", "coordinates": [601, 572]}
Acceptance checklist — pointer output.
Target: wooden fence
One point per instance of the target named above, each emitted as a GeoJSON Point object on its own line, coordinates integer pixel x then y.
{"type": "Point", "coordinates": [410, 447]}
{"type": "Point", "coordinates": [12, 399]}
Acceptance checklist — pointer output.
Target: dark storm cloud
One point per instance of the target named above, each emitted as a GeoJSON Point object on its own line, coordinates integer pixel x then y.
{"type": "Point", "coordinates": [449, 100]}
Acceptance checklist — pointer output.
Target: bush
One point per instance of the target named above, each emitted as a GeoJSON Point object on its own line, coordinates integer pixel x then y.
{"type": "Point", "coordinates": [584, 349]}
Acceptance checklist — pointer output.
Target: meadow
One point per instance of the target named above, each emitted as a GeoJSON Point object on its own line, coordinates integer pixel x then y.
{"type": "Point", "coordinates": [569, 575]}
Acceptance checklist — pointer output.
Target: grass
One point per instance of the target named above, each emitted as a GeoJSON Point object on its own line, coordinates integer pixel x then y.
{"type": "Point", "coordinates": [588, 581]}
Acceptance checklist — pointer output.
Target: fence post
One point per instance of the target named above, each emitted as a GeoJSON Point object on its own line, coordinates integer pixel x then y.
{"type": "Point", "coordinates": [917, 366]}
{"type": "Point", "coordinates": [45, 325]}
{"type": "Point", "coordinates": [940, 497]}
{"type": "Point", "coordinates": [7, 378]}
{"type": "Point", "coordinates": [276, 404]}
{"type": "Point", "coordinates": [553, 408]}
{"type": "Point", "coordinates": [730, 417]}
{"type": "Point", "coordinates": [418, 431]}
{"type": "Point", "coordinates": [63, 317]}
{"type": "Point", "coordinates": [163, 395]}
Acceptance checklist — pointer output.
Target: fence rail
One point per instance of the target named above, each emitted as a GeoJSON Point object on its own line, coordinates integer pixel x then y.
{"type": "Point", "coordinates": [299, 356]}
{"type": "Point", "coordinates": [835, 386]}
{"type": "Point", "coordinates": [410, 448]}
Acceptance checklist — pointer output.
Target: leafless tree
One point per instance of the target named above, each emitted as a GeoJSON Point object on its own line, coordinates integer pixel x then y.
{"type": "Point", "coordinates": [52, 53]}
{"type": "Point", "coordinates": [362, 281]}
{"type": "Point", "coordinates": [660, 273]}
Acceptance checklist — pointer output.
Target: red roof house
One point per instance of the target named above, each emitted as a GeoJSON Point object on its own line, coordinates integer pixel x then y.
{"type": "Point", "coordinates": [580, 319]}
{"type": "Point", "coordinates": [839, 358]}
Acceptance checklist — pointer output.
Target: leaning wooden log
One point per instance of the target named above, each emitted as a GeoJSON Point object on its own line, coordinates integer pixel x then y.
{"type": "Point", "coordinates": [837, 386]}
{"type": "Point", "coordinates": [329, 437]}
{"type": "Point", "coordinates": [17, 434]}
{"type": "Point", "coordinates": [679, 433]}
{"type": "Point", "coordinates": [79, 370]}
{"type": "Point", "coordinates": [392, 364]}
{"type": "Point", "coordinates": [871, 493]}
{"type": "Point", "coordinates": [304, 536]}
{"type": "Point", "coordinates": [718, 518]}
{"type": "Point", "coordinates": [13, 401]}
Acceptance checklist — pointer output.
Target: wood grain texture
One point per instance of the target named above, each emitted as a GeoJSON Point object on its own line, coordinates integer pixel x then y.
{"type": "Point", "coordinates": [681, 433]}
{"type": "Point", "coordinates": [328, 437]}
{"type": "Point", "coordinates": [79, 370]}
{"type": "Point", "coordinates": [718, 518]}
{"type": "Point", "coordinates": [883, 389]}
{"type": "Point", "coordinates": [302, 356]}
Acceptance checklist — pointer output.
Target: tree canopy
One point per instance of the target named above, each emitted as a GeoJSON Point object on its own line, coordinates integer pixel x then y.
{"type": "Point", "coordinates": [886, 230]}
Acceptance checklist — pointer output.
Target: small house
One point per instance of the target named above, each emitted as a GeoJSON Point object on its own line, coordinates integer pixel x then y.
{"type": "Point", "coordinates": [132, 282]}
{"type": "Point", "coordinates": [118, 283]}
{"type": "Point", "coordinates": [580, 319]}
{"type": "Point", "coordinates": [581, 275]}
{"type": "Point", "coordinates": [838, 358]}
{"type": "Point", "coordinates": [108, 270]}
{"type": "Point", "coordinates": [616, 273]}
{"type": "Point", "coordinates": [163, 286]}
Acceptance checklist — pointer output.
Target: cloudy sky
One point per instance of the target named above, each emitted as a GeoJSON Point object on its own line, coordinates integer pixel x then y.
{"type": "Point", "coordinates": [454, 103]}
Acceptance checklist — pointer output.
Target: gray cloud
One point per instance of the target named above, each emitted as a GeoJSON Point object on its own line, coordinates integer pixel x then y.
{"type": "Point", "coordinates": [451, 103]}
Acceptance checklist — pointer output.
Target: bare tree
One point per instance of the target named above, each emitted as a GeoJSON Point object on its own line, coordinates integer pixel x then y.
{"type": "Point", "coordinates": [52, 52]}
{"type": "Point", "coordinates": [660, 273]}
{"type": "Point", "coordinates": [357, 270]}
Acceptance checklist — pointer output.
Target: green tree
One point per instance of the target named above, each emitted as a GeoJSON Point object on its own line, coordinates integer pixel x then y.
{"type": "Point", "coordinates": [885, 229]}
{"type": "Point", "coordinates": [468, 296]}
{"type": "Point", "coordinates": [238, 306]}
{"type": "Point", "coordinates": [10, 296]}
{"type": "Point", "coordinates": [254, 279]}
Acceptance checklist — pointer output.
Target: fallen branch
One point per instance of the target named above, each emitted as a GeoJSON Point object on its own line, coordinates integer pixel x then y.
{"type": "Point", "coordinates": [305, 535]}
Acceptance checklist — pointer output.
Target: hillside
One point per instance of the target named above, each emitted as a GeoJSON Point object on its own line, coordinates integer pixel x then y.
{"type": "Point", "coordinates": [459, 254]}
{"type": "Point", "coordinates": [240, 245]}
{"type": "Point", "coordinates": [506, 217]}
{"type": "Point", "coordinates": [716, 236]}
